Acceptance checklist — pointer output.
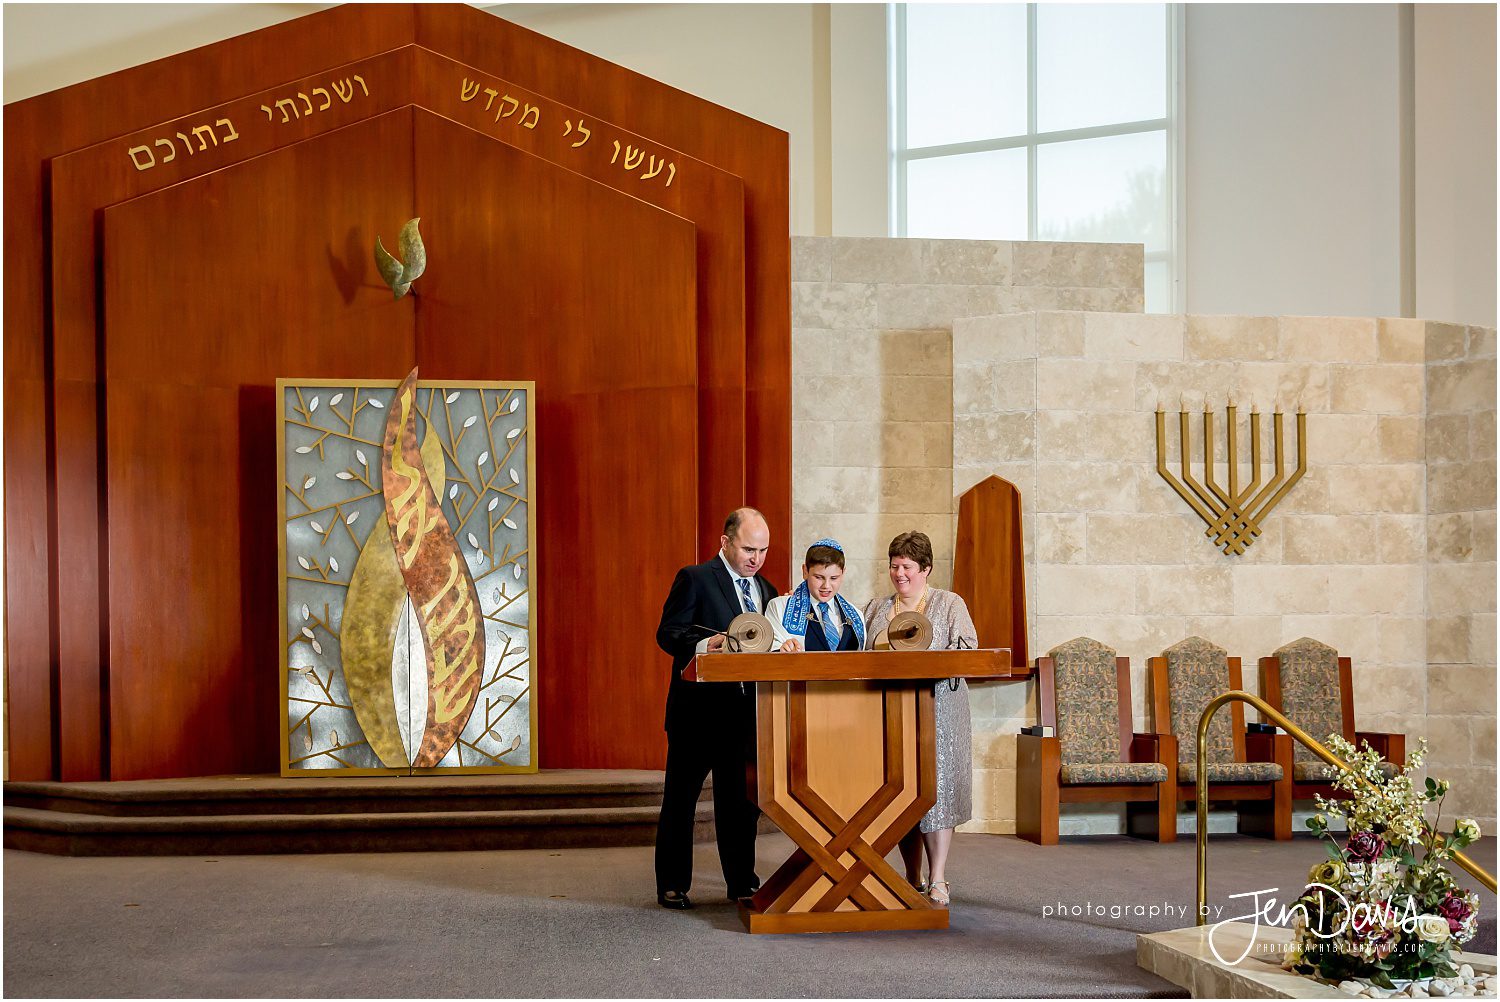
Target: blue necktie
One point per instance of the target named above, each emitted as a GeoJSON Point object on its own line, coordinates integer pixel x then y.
{"type": "Point", "coordinates": [828, 632]}
{"type": "Point", "coordinates": [745, 591]}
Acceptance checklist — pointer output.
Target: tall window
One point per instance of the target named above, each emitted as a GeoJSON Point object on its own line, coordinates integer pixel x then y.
{"type": "Point", "coordinates": [1039, 122]}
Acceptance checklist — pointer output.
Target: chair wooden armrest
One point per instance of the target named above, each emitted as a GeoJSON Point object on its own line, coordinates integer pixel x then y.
{"type": "Point", "coordinates": [1160, 748]}
{"type": "Point", "coordinates": [1392, 747]}
{"type": "Point", "coordinates": [1038, 780]}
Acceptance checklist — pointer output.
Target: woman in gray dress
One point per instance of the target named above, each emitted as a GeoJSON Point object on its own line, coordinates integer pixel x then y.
{"type": "Point", "coordinates": [911, 563]}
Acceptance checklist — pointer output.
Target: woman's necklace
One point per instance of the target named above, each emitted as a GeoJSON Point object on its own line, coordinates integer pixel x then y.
{"type": "Point", "coordinates": [917, 606]}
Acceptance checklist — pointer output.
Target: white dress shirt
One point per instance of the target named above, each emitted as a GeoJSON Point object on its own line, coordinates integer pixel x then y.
{"type": "Point", "coordinates": [776, 612]}
{"type": "Point", "coordinates": [734, 585]}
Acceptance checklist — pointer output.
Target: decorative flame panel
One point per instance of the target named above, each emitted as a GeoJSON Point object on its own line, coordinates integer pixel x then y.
{"type": "Point", "coordinates": [406, 576]}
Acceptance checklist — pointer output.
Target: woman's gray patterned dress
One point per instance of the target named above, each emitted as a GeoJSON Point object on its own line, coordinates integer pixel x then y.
{"type": "Point", "coordinates": [950, 625]}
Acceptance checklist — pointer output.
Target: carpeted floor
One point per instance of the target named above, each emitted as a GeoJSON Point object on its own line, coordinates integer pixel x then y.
{"type": "Point", "coordinates": [583, 922]}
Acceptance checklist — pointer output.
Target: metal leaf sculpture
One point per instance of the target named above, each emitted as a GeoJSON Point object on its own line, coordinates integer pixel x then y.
{"type": "Point", "coordinates": [395, 274]}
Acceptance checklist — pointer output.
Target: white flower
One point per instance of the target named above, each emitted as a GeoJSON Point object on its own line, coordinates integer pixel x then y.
{"type": "Point", "coordinates": [1432, 928]}
{"type": "Point", "coordinates": [1468, 828]}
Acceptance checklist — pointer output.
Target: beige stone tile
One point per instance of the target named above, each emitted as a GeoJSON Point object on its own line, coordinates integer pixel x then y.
{"type": "Point", "coordinates": [835, 488]}
{"type": "Point", "coordinates": [1402, 340]}
{"type": "Point", "coordinates": [1061, 435]}
{"type": "Point", "coordinates": [1076, 384]}
{"type": "Point", "coordinates": [1448, 740]}
{"type": "Point", "coordinates": [1068, 590]}
{"type": "Point", "coordinates": [1352, 636]}
{"type": "Point", "coordinates": [811, 257]}
{"type": "Point", "coordinates": [1135, 637]}
{"type": "Point", "coordinates": [927, 307]}
{"type": "Point", "coordinates": [1328, 539]}
{"type": "Point", "coordinates": [1014, 704]}
{"type": "Point", "coordinates": [1447, 438]}
{"type": "Point", "coordinates": [1377, 389]}
{"type": "Point", "coordinates": [1482, 739]}
{"type": "Point", "coordinates": [1184, 590]}
{"type": "Point", "coordinates": [1330, 339]}
{"type": "Point", "coordinates": [968, 262]}
{"type": "Point", "coordinates": [1401, 438]}
{"type": "Point", "coordinates": [915, 489]}
{"type": "Point", "coordinates": [1450, 537]}
{"type": "Point", "coordinates": [995, 387]}
{"type": "Point", "coordinates": [1461, 486]}
{"type": "Point", "coordinates": [1481, 342]}
{"type": "Point", "coordinates": [979, 340]}
{"type": "Point", "coordinates": [879, 260]}
{"type": "Point", "coordinates": [1277, 591]}
{"type": "Point", "coordinates": [1268, 546]}
{"type": "Point", "coordinates": [1391, 689]}
{"type": "Point", "coordinates": [1448, 639]}
{"type": "Point", "coordinates": [836, 443]}
{"type": "Point", "coordinates": [1484, 535]}
{"type": "Point", "coordinates": [1377, 589]}
{"type": "Point", "coordinates": [1231, 337]}
{"type": "Point", "coordinates": [833, 305]}
{"type": "Point", "coordinates": [998, 437]}
{"type": "Point", "coordinates": [1061, 539]}
{"type": "Point", "coordinates": [1461, 387]}
{"type": "Point", "coordinates": [1471, 795]}
{"type": "Point", "coordinates": [916, 353]}
{"type": "Point", "coordinates": [1084, 487]}
{"type": "Point", "coordinates": [917, 398]}
{"type": "Point", "coordinates": [1089, 299]}
{"type": "Point", "coordinates": [1336, 438]}
{"type": "Point", "coordinates": [1403, 641]}
{"type": "Point", "coordinates": [1309, 495]}
{"type": "Point", "coordinates": [1115, 266]}
{"type": "Point", "coordinates": [1177, 386]}
{"type": "Point", "coordinates": [1284, 386]}
{"type": "Point", "coordinates": [1401, 539]}
{"type": "Point", "coordinates": [1389, 488]}
{"type": "Point", "coordinates": [1482, 433]}
{"type": "Point", "coordinates": [840, 398]}
{"type": "Point", "coordinates": [1245, 637]}
{"type": "Point", "coordinates": [1460, 588]}
{"type": "Point", "coordinates": [1446, 342]}
{"type": "Point", "coordinates": [1150, 539]}
{"type": "Point", "coordinates": [1060, 334]}
{"type": "Point", "coordinates": [994, 750]}
{"type": "Point", "coordinates": [1120, 435]}
{"type": "Point", "coordinates": [1482, 638]}
{"type": "Point", "coordinates": [1133, 335]}
{"type": "Point", "coordinates": [1460, 689]}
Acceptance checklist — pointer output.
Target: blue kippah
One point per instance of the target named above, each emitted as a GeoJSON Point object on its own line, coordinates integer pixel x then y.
{"type": "Point", "coordinates": [832, 544]}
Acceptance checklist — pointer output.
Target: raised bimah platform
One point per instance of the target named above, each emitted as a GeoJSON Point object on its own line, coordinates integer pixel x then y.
{"type": "Point", "coordinates": [846, 766]}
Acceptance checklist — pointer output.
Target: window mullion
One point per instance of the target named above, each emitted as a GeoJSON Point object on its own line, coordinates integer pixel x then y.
{"type": "Point", "coordinates": [1031, 121]}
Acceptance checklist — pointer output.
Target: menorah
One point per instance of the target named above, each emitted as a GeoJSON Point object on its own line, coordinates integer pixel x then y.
{"type": "Point", "coordinates": [1233, 516]}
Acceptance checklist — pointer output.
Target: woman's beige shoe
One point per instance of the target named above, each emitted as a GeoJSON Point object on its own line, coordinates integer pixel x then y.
{"type": "Point", "coordinates": [939, 893]}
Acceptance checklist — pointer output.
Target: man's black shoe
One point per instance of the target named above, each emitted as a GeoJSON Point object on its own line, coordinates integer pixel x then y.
{"type": "Point", "coordinates": [673, 899]}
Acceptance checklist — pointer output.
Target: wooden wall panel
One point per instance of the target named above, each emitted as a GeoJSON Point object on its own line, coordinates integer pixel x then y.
{"type": "Point", "coordinates": [757, 153]}
{"type": "Point", "coordinates": [36, 130]}
{"type": "Point", "coordinates": [63, 163]}
{"type": "Point", "coordinates": [213, 289]}
{"type": "Point", "coordinates": [537, 273]}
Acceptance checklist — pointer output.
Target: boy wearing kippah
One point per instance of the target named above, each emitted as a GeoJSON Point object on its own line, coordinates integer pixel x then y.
{"type": "Point", "coordinates": [816, 617]}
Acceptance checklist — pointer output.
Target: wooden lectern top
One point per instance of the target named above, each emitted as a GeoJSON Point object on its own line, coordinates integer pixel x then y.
{"type": "Point", "coordinates": [853, 665]}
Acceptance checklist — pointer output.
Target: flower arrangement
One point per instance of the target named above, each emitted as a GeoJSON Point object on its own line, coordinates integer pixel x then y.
{"type": "Point", "coordinates": [1373, 910]}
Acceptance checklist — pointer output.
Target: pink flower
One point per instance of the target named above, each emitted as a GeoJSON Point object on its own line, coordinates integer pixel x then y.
{"type": "Point", "coordinates": [1365, 847]}
{"type": "Point", "coordinates": [1456, 910]}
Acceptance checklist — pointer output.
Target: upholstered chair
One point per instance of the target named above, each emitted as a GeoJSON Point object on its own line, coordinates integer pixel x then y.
{"type": "Point", "coordinates": [1184, 680]}
{"type": "Point", "coordinates": [1312, 685]}
{"type": "Point", "coordinates": [1091, 756]}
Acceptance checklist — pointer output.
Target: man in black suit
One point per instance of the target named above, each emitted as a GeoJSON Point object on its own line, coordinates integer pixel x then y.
{"type": "Point", "coordinates": [711, 725]}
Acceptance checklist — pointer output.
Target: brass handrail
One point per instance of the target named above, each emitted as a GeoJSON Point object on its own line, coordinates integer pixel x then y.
{"type": "Point", "coordinates": [1303, 738]}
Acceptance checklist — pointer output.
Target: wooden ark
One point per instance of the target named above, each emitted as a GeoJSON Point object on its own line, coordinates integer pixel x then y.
{"type": "Point", "coordinates": [181, 234]}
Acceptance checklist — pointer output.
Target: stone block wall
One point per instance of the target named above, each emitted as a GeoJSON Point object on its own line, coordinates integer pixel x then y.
{"type": "Point", "coordinates": [872, 376]}
{"type": "Point", "coordinates": [1063, 405]}
{"type": "Point", "coordinates": [1460, 447]}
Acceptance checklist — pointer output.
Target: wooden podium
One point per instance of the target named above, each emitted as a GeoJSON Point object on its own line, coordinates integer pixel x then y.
{"type": "Point", "coordinates": [847, 765]}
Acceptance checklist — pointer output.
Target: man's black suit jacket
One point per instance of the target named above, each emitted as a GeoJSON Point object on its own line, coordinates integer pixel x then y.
{"type": "Point", "coordinates": [704, 595]}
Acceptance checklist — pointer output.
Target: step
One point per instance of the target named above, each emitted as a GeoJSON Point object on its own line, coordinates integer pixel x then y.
{"type": "Point", "coordinates": [80, 834]}
{"type": "Point", "coordinates": [234, 795]}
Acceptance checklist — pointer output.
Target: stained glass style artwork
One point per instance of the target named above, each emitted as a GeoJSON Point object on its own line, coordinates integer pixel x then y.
{"type": "Point", "coordinates": [406, 566]}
